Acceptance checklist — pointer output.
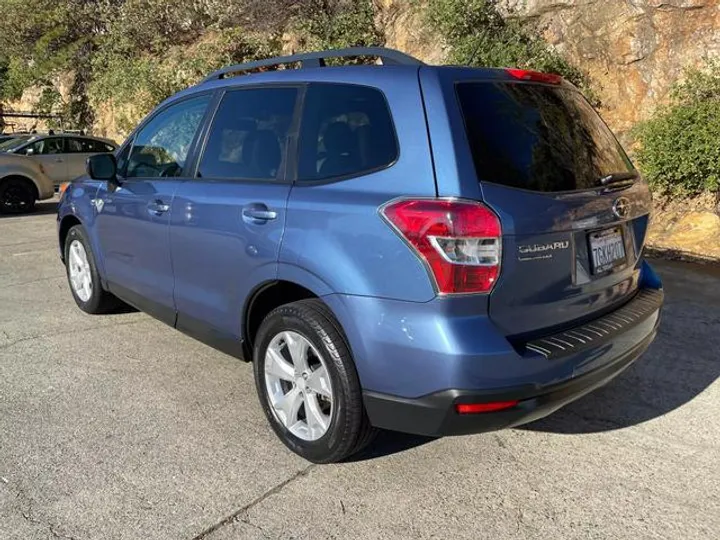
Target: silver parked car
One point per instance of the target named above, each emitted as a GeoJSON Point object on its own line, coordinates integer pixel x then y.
{"type": "Point", "coordinates": [61, 155]}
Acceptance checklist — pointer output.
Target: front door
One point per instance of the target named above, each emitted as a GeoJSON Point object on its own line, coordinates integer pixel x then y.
{"type": "Point", "coordinates": [133, 218]}
{"type": "Point", "coordinates": [227, 222]}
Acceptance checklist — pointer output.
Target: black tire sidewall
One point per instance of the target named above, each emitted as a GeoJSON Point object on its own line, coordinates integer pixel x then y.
{"type": "Point", "coordinates": [333, 443]}
{"type": "Point", "coordinates": [93, 305]}
{"type": "Point", "coordinates": [20, 183]}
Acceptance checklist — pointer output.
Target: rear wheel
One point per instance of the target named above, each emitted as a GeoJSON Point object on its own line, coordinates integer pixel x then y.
{"type": "Point", "coordinates": [307, 383]}
{"type": "Point", "coordinates": [83, 275]}
{"type": "Point", "coordinates": [17, 195]}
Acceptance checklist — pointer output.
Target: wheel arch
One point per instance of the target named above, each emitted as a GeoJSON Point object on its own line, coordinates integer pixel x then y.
{"type": "Point", "coordinates": [67, 223]}
{"type": "Point", "coordinates": [262, 300]}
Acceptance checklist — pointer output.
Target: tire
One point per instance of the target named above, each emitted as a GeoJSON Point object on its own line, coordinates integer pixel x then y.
{"type": "Point", "coordinates": [348, 430]}
{"type": "Point", "coordinates": [17, 195]}
{"type": "Point", "coordinates": [94, 300]}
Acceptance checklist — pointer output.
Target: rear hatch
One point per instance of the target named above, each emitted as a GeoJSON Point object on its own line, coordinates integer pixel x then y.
{"type": "Point", "coordinates": [574, 211]}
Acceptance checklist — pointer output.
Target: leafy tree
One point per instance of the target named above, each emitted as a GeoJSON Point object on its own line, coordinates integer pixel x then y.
{"type": "Point", "coordinates": [679, 148]}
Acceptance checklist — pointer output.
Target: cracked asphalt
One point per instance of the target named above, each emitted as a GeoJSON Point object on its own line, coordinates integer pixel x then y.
{"type": "Point", "coordinates": [118, 427]}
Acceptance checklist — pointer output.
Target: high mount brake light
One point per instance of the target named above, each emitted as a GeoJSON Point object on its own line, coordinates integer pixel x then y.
{"type": "Point", "coordinates": [534, 76]}
{"type": "Point", "coordinates": [460, 241]}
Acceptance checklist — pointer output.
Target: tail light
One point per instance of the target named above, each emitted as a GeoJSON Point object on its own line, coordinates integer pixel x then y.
{"type": "Point", "coordinates": [534, 76]}
{"type": "Point", "coordinates": [460, 241]}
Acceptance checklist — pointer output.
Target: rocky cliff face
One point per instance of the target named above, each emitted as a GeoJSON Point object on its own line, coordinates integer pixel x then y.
{"type": "Point", "coordinates": [632, 49]}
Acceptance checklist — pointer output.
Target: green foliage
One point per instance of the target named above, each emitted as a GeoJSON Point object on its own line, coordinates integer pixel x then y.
{"type": "Point", "coordinates": [131, 54]}
{"type": "Point", "coordinates": [479, 35]}
{"type": "Point", "coordinates": [336, 25]}
{"type": "Point", "coordinates": [143, 81]}
{"type": "Point", "coordinates": [679, 148]}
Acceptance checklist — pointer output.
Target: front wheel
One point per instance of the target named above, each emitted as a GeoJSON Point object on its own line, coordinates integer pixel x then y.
{"type": "Point", "coordinates": [308, 385]}
{"type": "Point", "coordinates": [83, 275]}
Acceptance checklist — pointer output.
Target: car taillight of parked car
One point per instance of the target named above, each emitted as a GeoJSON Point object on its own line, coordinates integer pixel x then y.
{"type": "Point", "coordinates": [460, 241]}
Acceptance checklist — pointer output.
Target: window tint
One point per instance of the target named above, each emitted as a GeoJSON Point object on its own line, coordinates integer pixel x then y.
{"type": "Point", "coordinates": [87, 146]}
{"type": "Point", "coordinates": [46, 146]}
{"type": "Point", "coordinates": [537, 137]}
{"type": "Point", "coordinates": [162, 146]}
{"type": "Point", "coordinates": [248, 138]}
{"type": "Point", "coordinates": [346, 130]}
{"type": "Point", "coordinates": [12, 143]}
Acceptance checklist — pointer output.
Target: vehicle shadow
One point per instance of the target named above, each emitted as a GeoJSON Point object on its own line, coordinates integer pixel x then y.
{"type": "Point", "coordinates": [679, 365]}
{"type": "Point", "coordinates": [388, 443]}
{"type": "Point", "coordinates": [41, 209]}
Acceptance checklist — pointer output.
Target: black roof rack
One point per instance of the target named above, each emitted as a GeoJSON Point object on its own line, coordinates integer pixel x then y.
{"type": "Point", "coordinates": [317, 59]}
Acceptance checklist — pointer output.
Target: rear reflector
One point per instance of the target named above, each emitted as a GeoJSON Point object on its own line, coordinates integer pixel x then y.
{"type": "Point", "coordinates": [474, 408]}
{"type": "Point", "coordinates": [460, 241]}
{"type": "Point", "coordinates": [534, 76]}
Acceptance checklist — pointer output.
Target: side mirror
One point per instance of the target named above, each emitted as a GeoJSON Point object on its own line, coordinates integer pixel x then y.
{"type": "Point", "coordinates": [102, 167]}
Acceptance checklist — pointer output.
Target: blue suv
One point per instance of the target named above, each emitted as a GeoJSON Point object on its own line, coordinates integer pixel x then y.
{"type": "Point", "coordinates": [434, 250]}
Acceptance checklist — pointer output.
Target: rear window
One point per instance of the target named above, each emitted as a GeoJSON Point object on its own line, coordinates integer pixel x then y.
{"type": "Point", "coordinates": [537, 137]}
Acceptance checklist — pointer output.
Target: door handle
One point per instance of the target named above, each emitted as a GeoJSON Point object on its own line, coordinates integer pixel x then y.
{"type": "Point", "coordinates": [158, 207]}
{"type": "Point", "coordinates": [258, 213]}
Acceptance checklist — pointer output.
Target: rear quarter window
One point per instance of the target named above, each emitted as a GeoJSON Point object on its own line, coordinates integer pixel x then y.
{"type": "Point", "coordinates": [537, 137]}
{"type": "Point", "coordinates": [346, 131]}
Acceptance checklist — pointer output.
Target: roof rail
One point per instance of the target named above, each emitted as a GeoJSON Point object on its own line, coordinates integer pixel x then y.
{"type": "Point", "coordinates": [317, 59]}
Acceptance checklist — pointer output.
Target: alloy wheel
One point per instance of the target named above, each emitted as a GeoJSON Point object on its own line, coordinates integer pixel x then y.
{"type": "Point", "coordinates": [298, 386]}
{"type": "Point", "coordinates": [79, 271]}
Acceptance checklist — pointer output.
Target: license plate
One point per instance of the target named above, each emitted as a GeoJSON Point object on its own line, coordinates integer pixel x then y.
{"type": "Point", "coordinates": [607, 250]}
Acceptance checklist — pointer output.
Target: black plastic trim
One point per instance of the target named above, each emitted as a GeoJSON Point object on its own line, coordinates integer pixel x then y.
{"type": "Point", "coordinates": [154, 309]}
{"type": "Point", "coordinates": [317, 59]}
{"type": "Point", "coordinates": [214, 337]}
{"type": "Point", "coordinates": [596, 331]}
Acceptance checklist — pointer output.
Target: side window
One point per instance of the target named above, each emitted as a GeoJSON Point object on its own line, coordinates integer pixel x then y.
{"type": "Point", "coordinates": [347, 130]}
{"type": "Point", "coordinates": [248, 138]}
{"type": "Point", "coordinates": [94, 146]}
{"type": "Point", "coordinates": [77, 146]}
{"type": "Point", "coordinates": [162, 146]}
{"type": "Point", "coordinates": [46, 147]}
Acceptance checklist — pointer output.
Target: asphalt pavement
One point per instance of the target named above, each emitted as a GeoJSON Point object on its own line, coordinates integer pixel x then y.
{"type": "Point", "coordinates": [119, 427]}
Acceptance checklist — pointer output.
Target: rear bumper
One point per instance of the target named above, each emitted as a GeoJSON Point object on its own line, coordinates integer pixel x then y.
{"type": "Point", "coordinates": [435, 415]}
{"type": "Point", "coordinates": [417, 361]}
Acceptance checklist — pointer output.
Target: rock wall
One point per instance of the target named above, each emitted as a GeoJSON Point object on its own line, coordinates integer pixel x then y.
{"type": "Point", "coordinates": [632, 49]}
{"type": "Point", "coordinates": [686, 229]}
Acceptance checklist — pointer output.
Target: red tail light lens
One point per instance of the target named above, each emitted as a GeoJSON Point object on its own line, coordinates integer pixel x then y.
{"type": "Point", "coordinates": [460, 241]}
{"type": "Point", "coordinates": [534, 76]}
{"type": "Point", "coordinates": [474, 408]}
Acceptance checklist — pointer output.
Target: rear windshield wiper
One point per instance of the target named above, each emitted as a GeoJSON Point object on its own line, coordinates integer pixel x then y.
{"type": "Point", "coordinates": [615, 178]}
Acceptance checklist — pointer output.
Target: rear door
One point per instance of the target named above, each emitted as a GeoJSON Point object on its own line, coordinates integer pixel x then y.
{"type": "Point", "coordinates": [50, 152]}
{"type": "Point", "coordinates": [227, 221]}
{"type": "Point", "coordinates": [573, 216]}
{"type": "Point", "coordinates": [78, 150]}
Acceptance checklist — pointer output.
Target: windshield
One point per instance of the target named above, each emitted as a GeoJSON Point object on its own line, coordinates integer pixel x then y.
{"type": "Point", "coordinates": [538, 137]}
{"type": "Point", "coordinates": [12, 144]}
